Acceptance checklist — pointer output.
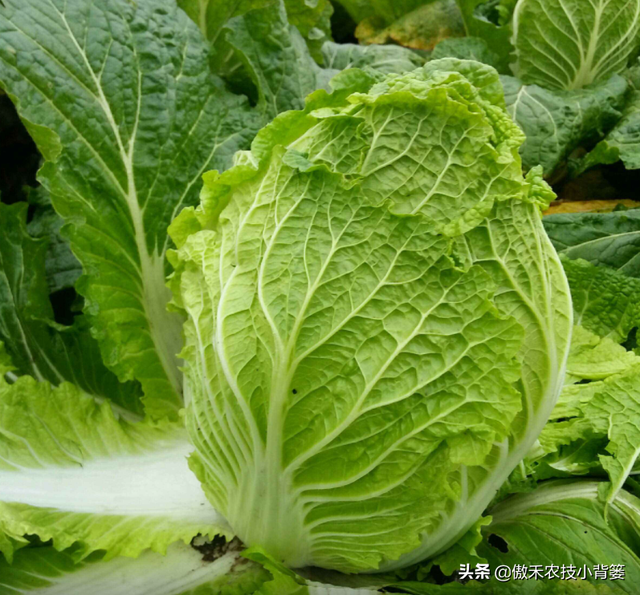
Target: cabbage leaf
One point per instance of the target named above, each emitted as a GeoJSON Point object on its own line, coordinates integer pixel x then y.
{"type": "Point", "coordinates": [569, 44]}
{"type": "Point", "coordinates": [528, 527]}
{"type": "Point", "coordinates": [74, 472]}
{"type": "Point", "coordinates": [556, 122]}
{"type": "Point", "coordinates": [181, 572]}
{"type": "Point", "coordinates": [37, 345]}
{"type": "Point", "coordinates": [604, 239]}
{"type": "Point", "coordinates": [122, 157]}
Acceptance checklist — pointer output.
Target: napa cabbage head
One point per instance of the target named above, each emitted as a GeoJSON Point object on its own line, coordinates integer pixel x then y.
{"type": "Point", "coordinates": [377, 324]}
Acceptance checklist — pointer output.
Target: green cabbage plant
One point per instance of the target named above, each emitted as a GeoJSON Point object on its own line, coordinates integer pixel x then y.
{"type": "Point", "coordinates": [360, 354]}
{"type": "Point", "coordinates": [377, 323]}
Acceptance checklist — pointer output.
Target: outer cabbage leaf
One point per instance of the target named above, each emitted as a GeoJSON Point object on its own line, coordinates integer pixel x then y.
{"type": "Point", "coordinates": [496, 35]}
{"type": "Point", "coordinates": [276, 58]}
{"type": "Point", "coordinates": [73, 472]}
{"type": "Point", "coordinates": [623, 140]}
{"type": "Point", "coordinates": [615, 409]}
{"type": "Point", "coordinates": [463, 551]}
{"type": "Point", "coordinates": [181, 572]}
{"type": "Point", "coordinates": [622, 143]}
{"type": "Point", "coordinates": [575, 438]}
{"type": "Point", "coordinates": [36, 344]}
{"type": "Point", "coordinates": [569, 459]}
{"type": "Point", "coordinates": [556, 122]}
{"type": "Point", "coordinates": [595, 358]}
{"type": "Point", "coordinates": [62, 267]}
{"type": "Point", "coordinates": [604, 414]}
{"type": "Point", "coordinates": [419, 25]}
{"type": "Point", "coordinates": [466, 48]}
{"type": "Point", "coordinates": [605, 301]}
{"type": "Point", "coordinates": [604, 275]}
{"type": "Point", "coordinates": [603, 239]}
{"type": "Point", "coordinates": [564, 522]}
{"type": "Point", "coordinates": [286, 582]}
{"type": "Point", "coordinates": [568, 44]}
{"type": "Point", "coordinates": [310, 18]}
{"type": "Point", "coordinates": [123, 156]}
{"type": "Point", "coordinates": [387, 59]}
{"type": "Point", "coordinates": [349, 373]}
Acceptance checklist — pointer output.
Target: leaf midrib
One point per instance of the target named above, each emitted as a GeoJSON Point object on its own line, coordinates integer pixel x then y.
{"type": "Point", "coordinates": [148, 266]}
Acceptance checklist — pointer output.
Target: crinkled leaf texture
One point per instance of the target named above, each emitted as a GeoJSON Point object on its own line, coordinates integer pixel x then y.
{"type": "Point", "coordinates": [595, 358]}
{"type": "Point", "coordinates": [120, 99]}
{"type": "Point", "coordinates": [311, 19]}
{"type": "Point", "coordinates": [605, 300]}
{"type": "Point", "coordinates": [275, 57]}
{"type": "Point", "coordinates": [600, 257]}
{"type": "Point", "coordinates": [622, 142]}
{"type": "Point", "coordinates": [73, 472]}
{"type": "Point", "coordinates": [387, 59]}
{"type": "Point", "coordinates": [568, 44]}
{"type": "Point", "coordinates": [378, 325]}
{"type": "Point", "coordinates": [466, 48]}
{"type": "Point", "coordinates": [595, 425]}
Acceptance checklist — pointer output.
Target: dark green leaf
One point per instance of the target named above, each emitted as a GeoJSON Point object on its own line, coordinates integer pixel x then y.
{"type": "Point", "coordinates": [63, 268]}
{"type": "Point", "coordinates": [557, 122]}
{"type": "Point", "coordinates": [38, 346]}
{"type": "Point", "coordinates": [605, 301]}
{"type": "Point", "coordinates": [563, 523]}
{"type": "Point", "coordinates": [603, 239]}
{"type": "Point", "coordinates": [387, 59]}
{"type": "Point", "coordinates": [276, 58]}
{"type": "Point", "coordinates": [497, 37]}
{"type": "Point", "coordinates": [466, 48]}
{"type": "Point", "coordinates": [121, 101]}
